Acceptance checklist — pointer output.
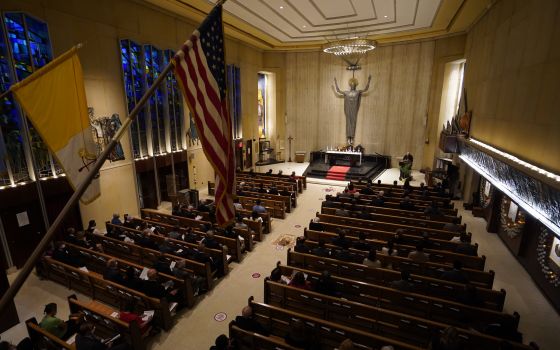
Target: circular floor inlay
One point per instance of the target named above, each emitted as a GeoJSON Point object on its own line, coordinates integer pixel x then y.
{"type": "Point", "coordinates": [297, 226]}
{"type": "Point", "coordinates": [256, 275]}
{"type": "Point", "coordinates": [220, 316]}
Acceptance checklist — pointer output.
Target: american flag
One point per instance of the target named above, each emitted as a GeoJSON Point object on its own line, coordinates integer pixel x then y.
{"type": "Point", "coordinates": [200, 70]}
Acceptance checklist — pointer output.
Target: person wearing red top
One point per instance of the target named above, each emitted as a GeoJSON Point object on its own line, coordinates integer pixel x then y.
{"type": "Point", "coordinates": [128, 315]}
{"type": "Point", "coordinates": [299, 281]}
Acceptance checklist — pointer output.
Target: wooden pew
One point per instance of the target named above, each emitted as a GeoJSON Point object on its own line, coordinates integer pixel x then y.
{"type": "Point", "coordinates": [288, 201]}
{"type": "Point", "coordinates": [437, 254]}
{"type": "Point", "coordinates": [478, 278]}
{"type": "Point", "coordinates": [328, 334]}
{"type": "Point", "coordinates": [386, 226]}
{"type": "Point", "coordinates": [148, 257]}
{"type": "Point", "coordinates": [396, 325]}
{"type": "Point", "coordinates": [244, 183]}
{"type": "Point", "coordinates": [300, 180]}
{"type": "Point", "coordinates": [423, 223]}
{"type": "Point", "coordinates": [391, 211]}
{"type": "Point", "coordinates": [168, 222]}
{"type": "Point", "coordinates": [389, 203]}
{"type": "Point", "coordinates": [399, 191]}
{"type": "Point", "coordinates": [93, 285]}
{"type": "Point", "coordinates": [277, 208]}
{"type": "Point", "coordinates": [492, 299]}
{"type": "Point", "coordinates": [107, 326]}
{"type": "Point", "coordinates": [257, 227]}
{"type": "Point", "coordinates": [246, 340]}
{"type": "Point", "coordinates": [427, 307]}
{"type": "Point", "coordinates": [42, 339]}
{"type": "Point", "coordinates": [97, 262]}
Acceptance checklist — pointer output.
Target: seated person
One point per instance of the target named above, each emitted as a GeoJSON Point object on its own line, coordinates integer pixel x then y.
{"type": "Point", "coordinates": [166, 247]}
{"type": "Point", "coordinates": [379, 200]}
{"type": "Point", "coordinates": [247, 322]}
{"type": "Point", "coordinates": [174, 233]}
{"type": "Point", "coordinates": [419, 255]}
{"type": "Point", "coordinates": [56, 326]}
{"type": "Point", "coordinates": [146, 241]}
{"type": "Point", "coordinates": [326, 285]}
{"type": "Point", "coordinates": [153, 288]}
{"type": "Point", "coordinates": [433, 210]}
{"type": "Point", "coordinates": [300, 246]}
{"type": "Point", "coordinates": [237, 204]}
{"type": "Point", "coordinates": [255, 216]}
{"type": "Point", "coordinates": [351, 188]}
{"type": "Point", "coordinates": [261, 188]}
{"type": "Point", "coordinates": [361, 243]}
{"type": "Point", "coordinates": [113, 273]}
{"type": "Point", "coordinates": [367, 190]}
{"type": "Point", "coordinates": [371, 260]}
{"type": "Point", "coordinates": [24, 344]}
{"type": "Point", "coordinates": [86, 340]}
{"type": "Point", "coordinates": [404, 284]}
{"type": "Point", "coordinates": [462, 237]}
{"type": "Point", "coordinates": [389, 249]}
{"type": "Point", "coordinates": [298, 281]}
{"type": "Point", "coordinates": [131, 279]}
{"type": "Point", "coordinates": [162, 265]}
{"type": "Point", "coordinates": [129, 221]}
{"type": "Point", "coordinates": [345, 255]}
{"type": "Point", "coordinates": [470, 296]}
{"type": "Point", "coordinates": [258, 207]}
{"type": "Point", "coordinates": [280, 172]}
{"type": "Point", "coordinates": [210, 241]}
{"type": "Point", "coordinates": [465, 247]}
{"type": "Point", "coordinates": [321, 250]}
{"type": "Point", "coordinates": [341, 240]}
{"type": "Point", "coordinates": [273, 190]}
{"type": "Point", "coordinates": [406, 204]}
{"type": "Point", "coordinates": [342, 212]}
{"type": "Point", "coordinates": [222, 342]}
{"type": "Point", "coordinates": [116, 219]}
{"type": "Point", "coordinates": [180, 271]}
{"type": "Point", "coordinates": [189, 236]}
{"type": "Point", "coordinates": [316, 225]}
{"type": "Point", "coordinates": [92, 228]}
{"type": "Point", "coordinates": [293, 176]}
{"type": "Point", "coordinates": [128, 315]}
{"type": "Point", "coordinates": [456, 274]}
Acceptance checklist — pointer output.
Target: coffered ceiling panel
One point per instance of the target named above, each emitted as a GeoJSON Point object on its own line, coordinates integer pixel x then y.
{"type": "Point", "coordinates": [307, 24]}
{"type": "Point", "coordinates": [305, 20]}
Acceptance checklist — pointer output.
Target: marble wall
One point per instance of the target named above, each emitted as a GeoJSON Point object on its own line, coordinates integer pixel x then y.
{"type": "Point", "coordinates": [513, 79]}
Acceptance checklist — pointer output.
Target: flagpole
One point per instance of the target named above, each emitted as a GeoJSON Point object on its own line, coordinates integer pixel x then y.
{"type": "Point", "coordinates": [32, 260]}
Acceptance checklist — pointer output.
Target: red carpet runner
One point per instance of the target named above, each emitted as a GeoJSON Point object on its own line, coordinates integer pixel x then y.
{"type": "Point", "coordinates": [337, 172]}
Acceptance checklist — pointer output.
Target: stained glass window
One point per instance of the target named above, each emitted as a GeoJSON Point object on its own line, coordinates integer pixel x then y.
{"type": "Point", "coordinates": [174, 101]}
{"type": "Point", "coordinates": [25, 47]}
{"type": "Point", "coordinates": [261, 105]}
{"type": "Point", "coordinates": [234, 96]}
{"type": "Point", "coordinates": [152, 67]}
{"type": "Point", "coordinates": [161, 123]}
{"type": "Point", "coordinates": [132, 62]}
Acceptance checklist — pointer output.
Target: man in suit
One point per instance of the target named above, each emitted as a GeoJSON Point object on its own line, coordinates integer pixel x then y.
{"type": "Point", "coordinates": [341, 240]}
{"type": "Point", "coordinates": [321, 250]}
{"type": "Point", "coordinates": [247, 322]}
{"type": "Point", "coordinates": [273, 190]}
{"type": "Point", "coordinates": [113, 273]}
{"type": "Point", "coordinates": [406, 204]}
{"type": "Point", "coordinates": [300, 246]}
{"type": "Point", "coordinates": [361, 243]}
{"type": "Point", "coordinates": [367, 190]}
{"type": "Point", "coordinates": [145, 241]}
{"type": "Point", "coordinates": [87, 340]}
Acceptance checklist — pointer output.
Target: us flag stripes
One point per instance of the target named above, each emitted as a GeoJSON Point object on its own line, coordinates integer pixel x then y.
{"type": "Point", "coordinates": [200, 70]}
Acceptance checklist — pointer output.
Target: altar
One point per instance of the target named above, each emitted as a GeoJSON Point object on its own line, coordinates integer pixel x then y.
{"type": "Point", "coordinates": [349, 156]}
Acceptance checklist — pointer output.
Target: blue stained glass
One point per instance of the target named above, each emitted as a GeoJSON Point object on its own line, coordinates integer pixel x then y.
{"type": "Point", "coordinates": [29, 43]}
{"type": "Point", "coordinates": [129, 94]}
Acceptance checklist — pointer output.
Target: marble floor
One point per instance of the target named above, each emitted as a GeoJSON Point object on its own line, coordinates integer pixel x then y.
{"type": "Point", "coordinates": [196, 329]}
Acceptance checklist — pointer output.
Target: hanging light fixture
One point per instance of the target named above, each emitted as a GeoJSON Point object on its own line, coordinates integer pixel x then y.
{"type": "Point", "coordinates": [350, 50]}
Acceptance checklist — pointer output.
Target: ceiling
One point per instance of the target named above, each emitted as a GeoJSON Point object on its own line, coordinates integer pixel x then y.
{"type": "Point", "coordinates": [306, 24]}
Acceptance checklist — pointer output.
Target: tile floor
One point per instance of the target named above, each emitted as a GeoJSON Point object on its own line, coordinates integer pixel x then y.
{"type": "Point", "coordinates": [196, 329]}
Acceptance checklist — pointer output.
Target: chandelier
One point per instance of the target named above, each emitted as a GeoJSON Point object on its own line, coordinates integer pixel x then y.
{"type": "Point", "coordinates": [350, 50]}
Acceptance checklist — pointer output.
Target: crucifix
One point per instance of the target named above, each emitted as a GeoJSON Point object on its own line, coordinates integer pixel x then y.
{"type": "Point", "coordinates": [290, 148]}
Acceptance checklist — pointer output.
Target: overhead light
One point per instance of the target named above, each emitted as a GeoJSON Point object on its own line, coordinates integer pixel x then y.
{"type": "Point", "coordinates": [281, 7]}
{"type": "Point", "coordinates": [350, 50]}
{"type": "Point", "coordinates": [304, 26]}
{"type": "Point", "coordinates": [384, 16]}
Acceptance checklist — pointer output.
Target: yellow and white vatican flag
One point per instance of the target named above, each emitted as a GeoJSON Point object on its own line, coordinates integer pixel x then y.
{"type": "Point", "coordinates": [54, 100]}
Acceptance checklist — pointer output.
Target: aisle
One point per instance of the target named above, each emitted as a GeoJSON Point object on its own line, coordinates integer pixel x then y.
{"type": "Point", "coordinates": [197, 329]}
